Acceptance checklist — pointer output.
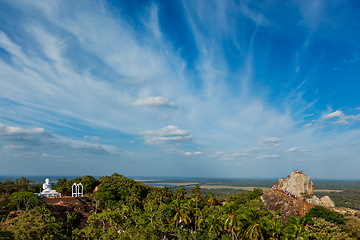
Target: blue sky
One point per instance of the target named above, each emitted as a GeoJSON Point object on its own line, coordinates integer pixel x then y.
{"type": "Point", "coordinates": [180, 88]}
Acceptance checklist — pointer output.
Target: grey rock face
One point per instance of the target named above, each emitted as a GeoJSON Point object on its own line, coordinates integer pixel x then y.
{"type": "Point", "coordinates": [296, 184]}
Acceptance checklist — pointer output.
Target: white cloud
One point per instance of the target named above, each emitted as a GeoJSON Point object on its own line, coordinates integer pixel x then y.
{"type": "Point", "coordinates": [34, 138]}
{"type": "Point", "coordinates": [341, 121]}
{"type": "Point", "coordinates": [270, 140]}
{"type": "Point", "coordinates": [158, 102]}
{"type": "Point", "coordinates": [239, 154]}
{"type": "Point", "coordinates": [268, 156]}
{"type": "Point", "coordinates": [166, 136]}
{"type": "Point", "coordinates": [297, 150]}
{"type": "Point", "coordinates": [217, 154]}
{"type": "Point", "coordinates": [342, 118]}
{"type": "Point", "coordinates": [45, 155]}
{"type": "Point", "coordinates": [190, 153]}
{"type": "Point", "coordinates": [308, 125]}
{"type": "Point", "coordinates": [227, 158]}
{"type": "Point", "coordinates": [294, 149]}
{"type": "Point", "coordinates": [78, 65]}
{"type": "Point", "coordinates": [19, 132]}
{"type": "Point", "coordinates": [356, 117]}
{"type": "Point", "coordinates": [337, 113]}
{"type": "Point", "coordinates": [343, 145]}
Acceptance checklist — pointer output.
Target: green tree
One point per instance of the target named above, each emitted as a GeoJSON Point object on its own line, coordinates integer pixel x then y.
{"type": "Point", "coordinates": [321, 212]}
{"type": "Point", "coordinates": [23, 184]}
{"type": "Point", "coordinates": [296, 228]}
{"type": "Point", "coordinates": [214, 225]}
{"type": "Point", "coordinates": [180, 194]}
{"type": "Point", "coordinates": [197, 191]}
{"type": "Point", "coordinates": [181, 212]}
{"type": "Point", "coordinates": [15, 199]}
{"type": "Point", "coordinates": [211, 201]}
{"type": "Point", "coordinates": [322, 229]}
{"type": "Point", "coordinates": [275, 230]}
{"type": "Point", "coordinates": [34, 226]}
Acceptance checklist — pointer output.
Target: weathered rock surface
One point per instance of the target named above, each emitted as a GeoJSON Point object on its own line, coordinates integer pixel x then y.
{"type": "Point", "coordinates": [296, 184]}
{"type": "Point", "coordinates": [314, 200]}
{"type": "Point", "coordinates": [288, 206]}
{"type": "Point", "coordinates": [294, 196]}
{"type": "Point", "coordinates": [327, 202]}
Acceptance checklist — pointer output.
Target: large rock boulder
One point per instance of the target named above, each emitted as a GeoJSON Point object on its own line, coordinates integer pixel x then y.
{"type": "Point", "coordinates": [314, 200]}
{"type": "Point", "coordinates": [327, 202]}
{"type": "Point", "coordinates": [296, 184]}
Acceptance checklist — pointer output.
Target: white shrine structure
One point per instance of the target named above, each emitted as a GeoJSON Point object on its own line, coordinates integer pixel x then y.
{"type": "Point", "coordinates": [47, 191]}
{"type": "Point", "coordinates": [75, 190]}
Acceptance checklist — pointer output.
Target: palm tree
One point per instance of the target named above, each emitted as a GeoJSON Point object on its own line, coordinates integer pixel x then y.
{"type": "Point", "coordinates": [252, 227]}
{"type": "Point", "coordinates": [274, 228]}
{"type": "Point", "coordinates": [180, 194]}
{"type": "Point", "coordinates": [181, 212]}
{"type": "Point", "coordinates": [254, 232]}
{"type": "Point", "coordinates": [197, 191]}
{"type": "Point", "coordinates": [231, 223]}
{"type": "Point", "coordinates": [200, 220]}
{"type": "Point", "coordinates": [211, 201]}
{"type": "Point", "coordinates": [296, 228]}
{"type": "Point", "coordinates": [214, 225]}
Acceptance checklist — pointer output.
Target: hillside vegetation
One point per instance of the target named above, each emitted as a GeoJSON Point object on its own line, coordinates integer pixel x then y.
{"type": "Point", "coordinates": [127, 209]}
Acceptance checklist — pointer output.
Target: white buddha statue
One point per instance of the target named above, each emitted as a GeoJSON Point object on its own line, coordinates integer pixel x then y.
{"type": "Point", "coordinates": [47, 184]}
{"type": "Point", "coordinates": [47, 191]}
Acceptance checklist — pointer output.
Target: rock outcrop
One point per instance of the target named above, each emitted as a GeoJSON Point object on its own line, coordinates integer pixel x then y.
{"type": "Point", "coordinates": [327, 202]}
{"type": "Point", "coordinates": [297, 184]}
{"type": "Point", "coordinates": [294, 196]}
{"type": "Point", "coordinates": [288, 206]}
{"type": "Point", "coordinates": [314, 200]}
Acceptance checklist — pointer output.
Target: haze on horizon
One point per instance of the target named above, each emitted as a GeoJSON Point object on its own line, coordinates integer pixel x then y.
{"type": "Point", "coordinates": [197, 88]}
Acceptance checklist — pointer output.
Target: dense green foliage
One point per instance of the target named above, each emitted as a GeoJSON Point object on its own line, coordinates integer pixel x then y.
{"type": "Point", "coordinates": [64, 187]}
{"type": "Point", "coordinates": [131, 210]}
{"type": "Point", "coordinates": [221, 193]}
{"type": "Point", "coordinates": [321, 212]}
{"type": "Point", "coordinates": [19, 185]}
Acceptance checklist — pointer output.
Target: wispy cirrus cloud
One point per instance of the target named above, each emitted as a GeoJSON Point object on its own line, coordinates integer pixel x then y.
{"type": "Point", "coordinates": [270, 140]}
{"type": "Point", "coordinates": [297, 150]}
{"type": "Point", "coordinates": [268, 156]}
{"type": "Point", "coordinates": [37, 139]}
{"type": "Point", "coordinates": [75, 68]}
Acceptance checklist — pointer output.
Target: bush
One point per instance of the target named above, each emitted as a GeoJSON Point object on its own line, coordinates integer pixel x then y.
{"type": "Point", "coordinates": [321, 212]}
